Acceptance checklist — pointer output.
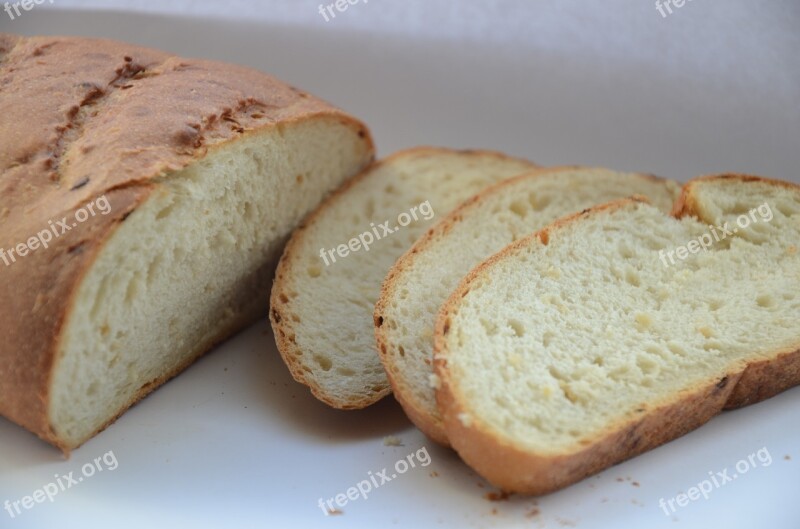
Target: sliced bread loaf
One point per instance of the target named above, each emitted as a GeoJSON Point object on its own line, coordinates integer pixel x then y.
{"type": "Point", "coordinates": [144, 200]}
{"type": "Point", "coordinates": [620, 328]}
{"type": "Point", "coordinates": [330, 275]}
{"type": "Point", "coordinates": [421, 281]}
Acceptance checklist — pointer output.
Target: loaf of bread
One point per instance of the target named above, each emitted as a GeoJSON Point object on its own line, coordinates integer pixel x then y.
{"type": "Point", "coordinates": [143, 198]}
{"type": "Point", "coordinates": [330, 275]}
{"type": "Point", "coordinates": [619, 329]}
{"type": "Point", "coordinates": [423, 278]}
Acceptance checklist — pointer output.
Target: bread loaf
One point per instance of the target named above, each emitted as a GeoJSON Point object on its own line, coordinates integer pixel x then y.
{"type": "Point", "coordinates": [166, 186]}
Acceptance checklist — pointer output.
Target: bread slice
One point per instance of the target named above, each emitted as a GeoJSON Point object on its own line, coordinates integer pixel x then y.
{"type": "Point", "coordinates": [421, 281]}
{"type": "Point", "coordinates": [196, 172]}
{"type": "Point", "coordinates": [584, 345]}
{"type": "Point", "coordinates": [322, 303]}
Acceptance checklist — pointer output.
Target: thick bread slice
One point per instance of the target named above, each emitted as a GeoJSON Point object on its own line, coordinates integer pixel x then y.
{"type": "Point", "coordinates": [577, 348]}
{"type": "Point", "coordinates": [421, 281]}
{"type": "Point", "coordinates": [322, 313]}
{"type": "Point", "coordinates": [205, 167]}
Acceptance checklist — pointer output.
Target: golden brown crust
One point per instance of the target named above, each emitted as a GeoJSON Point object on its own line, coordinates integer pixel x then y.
{"type": "Point", "coordinates": [764, 379]}
{"type": "Point", "coordinates": [81, 118]}
{"type": "Point", "coordinates": [515, 469]}
{"type": "Point", "coordinates": [686, 204]}
{"type": "Point", "coordinates": [280, 302]}
{"type": "Point", "coordinates": [7, 43]}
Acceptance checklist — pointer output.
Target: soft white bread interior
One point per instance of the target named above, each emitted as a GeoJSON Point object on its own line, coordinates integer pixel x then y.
{"type": "Point", "coordinates": [322, 309]}
{"type": "Point", "coordinates": [584, 345]}
{"type": "Point", "coordinates": [425, 276]}
{"type": "Point", "coordinates": [190, 266]}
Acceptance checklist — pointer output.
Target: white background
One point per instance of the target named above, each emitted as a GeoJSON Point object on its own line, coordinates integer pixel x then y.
{"type": "Point", "coordinates": [234, 442]}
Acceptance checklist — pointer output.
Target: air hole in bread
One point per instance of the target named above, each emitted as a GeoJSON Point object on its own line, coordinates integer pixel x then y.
{"type": "Point", "coordinates": [518, 208]}
{"type": "Point", "coordinates": [766, 301]}
{"type": "Point", "coordinates": [323, 362]}
{"type": "Point", "coordinates": [539, 201]}
{"type": "Point", "coordinates": [517, 327]}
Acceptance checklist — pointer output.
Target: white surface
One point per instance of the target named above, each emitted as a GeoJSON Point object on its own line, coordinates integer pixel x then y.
{"type": "Point", "coordinates": [234, 442]}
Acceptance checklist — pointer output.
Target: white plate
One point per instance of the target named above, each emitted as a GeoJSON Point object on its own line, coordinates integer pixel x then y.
{"type": "Point", "coordinates": [234, 442]}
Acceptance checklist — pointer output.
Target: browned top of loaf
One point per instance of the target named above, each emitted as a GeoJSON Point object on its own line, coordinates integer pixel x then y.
{"type": "Point", "coordinates": [80, 118]}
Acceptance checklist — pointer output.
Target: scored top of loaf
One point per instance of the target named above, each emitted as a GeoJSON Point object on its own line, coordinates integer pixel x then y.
{"type": "Point", "coordinates": [84, 116]}
{"type": "Point", "coordinates": [81, 118]}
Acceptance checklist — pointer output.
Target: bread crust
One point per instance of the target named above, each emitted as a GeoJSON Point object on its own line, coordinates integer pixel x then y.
{"type": "Point", "coordinates": [103, 118]}
{"type": "Point", "coordinates": [512, 468]}
{"type": "Point", "coordinates": [686, 204]}
{"type": "Point", "coordinates": [280, 302]}
{"type": "Point", "coordinates": [430, 425]}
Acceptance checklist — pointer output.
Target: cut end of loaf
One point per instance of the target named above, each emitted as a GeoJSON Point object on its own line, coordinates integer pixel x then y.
{"type": "Point", "coordinates": [190, 266]}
